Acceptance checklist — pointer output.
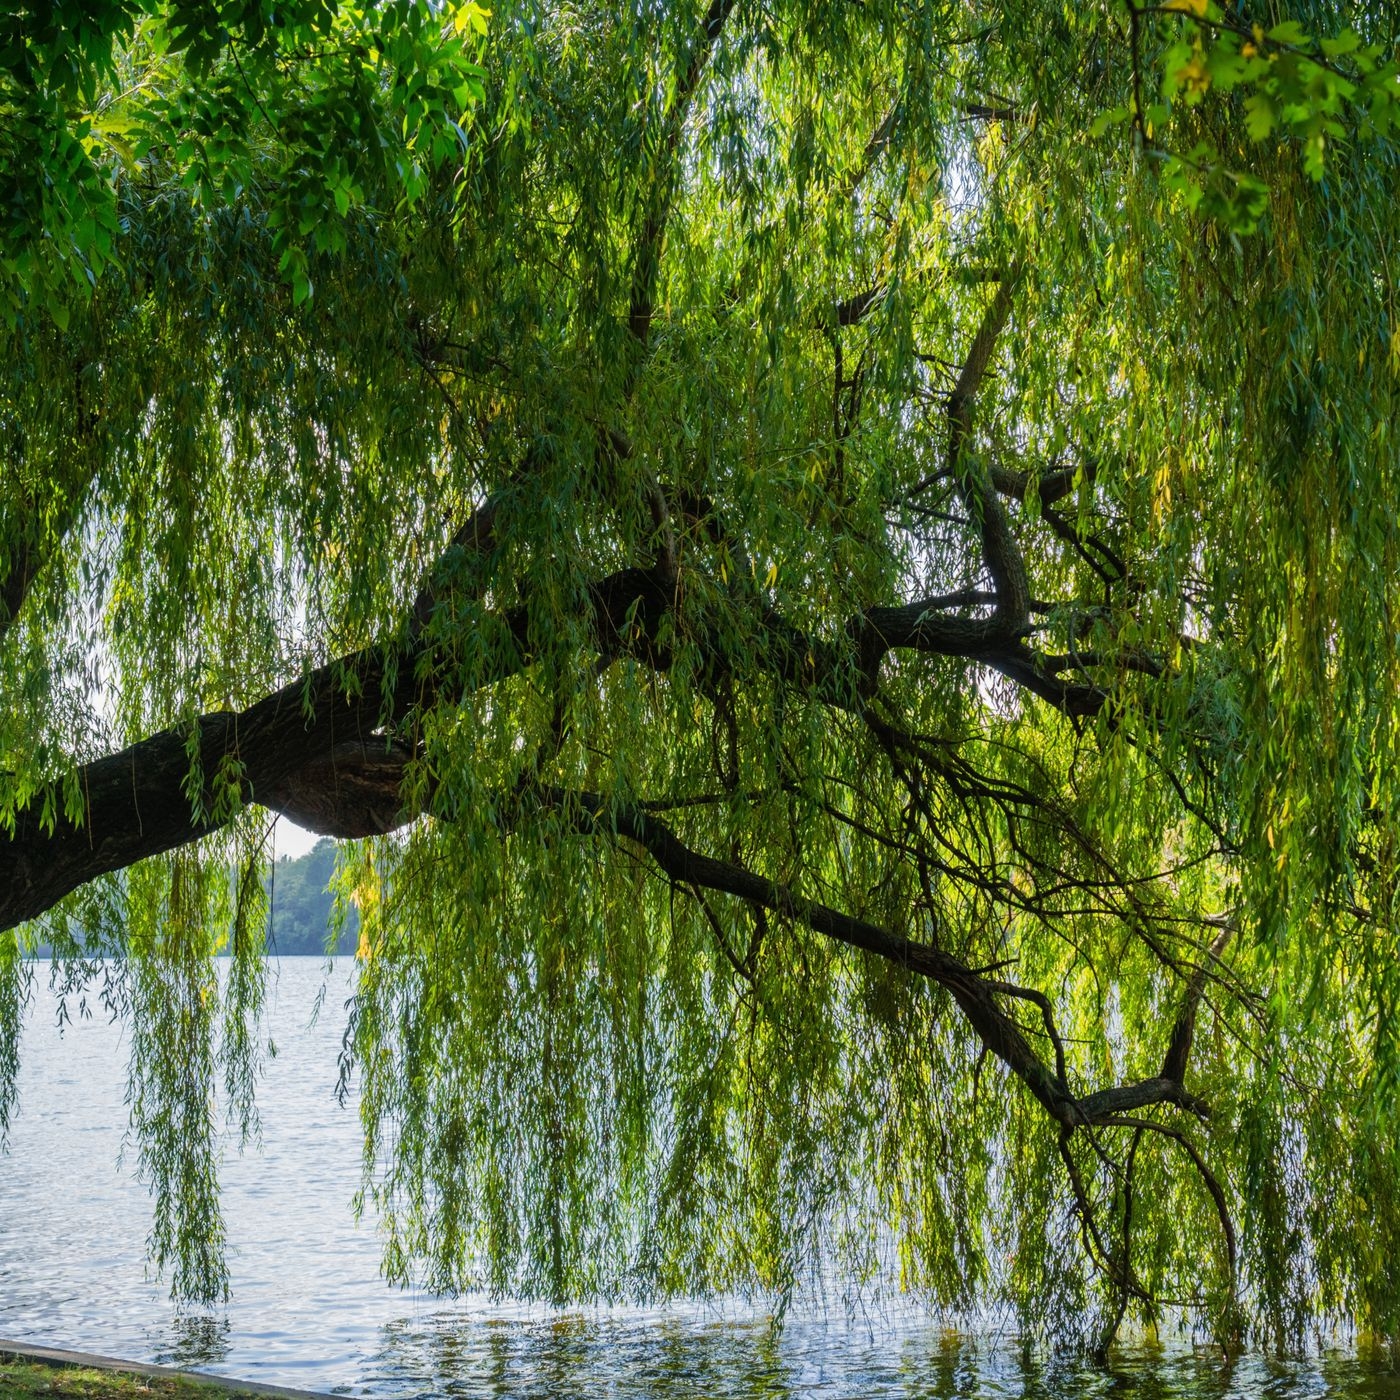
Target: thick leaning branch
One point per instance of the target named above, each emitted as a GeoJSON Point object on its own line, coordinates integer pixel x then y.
{"type": "Point", "coordinates": [308, 748]}
{"type": "Point", "coordinates": [319, 749]}
{"type": "Point", "coordinates": [143, 801]}
{"type": "Point", "coordinates": [316, 749]}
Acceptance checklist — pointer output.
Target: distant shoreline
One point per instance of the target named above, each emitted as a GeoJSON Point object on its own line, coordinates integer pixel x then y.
{"type": "Point", "coordinates": [301, 909]}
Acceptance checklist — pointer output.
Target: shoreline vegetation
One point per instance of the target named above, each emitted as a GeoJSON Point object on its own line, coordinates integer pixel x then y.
{"type": "Point", "coordinates": [301, 906]}
{"type": "Point", "coordinates": [52, 1380]}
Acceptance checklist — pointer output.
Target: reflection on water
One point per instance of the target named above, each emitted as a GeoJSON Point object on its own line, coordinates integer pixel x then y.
{"type": "Point", "coordinates": [194, 1339]}
{"type": "Point", "coordinates": [309, 1309]}
{"type": "Point", "coordinates": [671, 1361]}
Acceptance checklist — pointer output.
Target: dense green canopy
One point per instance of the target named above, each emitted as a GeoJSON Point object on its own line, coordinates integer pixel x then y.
{"type": "Point", "coordinates": [838, 563]}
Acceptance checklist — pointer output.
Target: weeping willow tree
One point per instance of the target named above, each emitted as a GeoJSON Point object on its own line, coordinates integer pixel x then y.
{"type": "Point", "coordinates": [835, 567]}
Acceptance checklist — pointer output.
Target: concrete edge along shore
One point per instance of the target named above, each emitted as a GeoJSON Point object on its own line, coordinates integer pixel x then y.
{"type": "Point", "coordinates": [56, 1356]}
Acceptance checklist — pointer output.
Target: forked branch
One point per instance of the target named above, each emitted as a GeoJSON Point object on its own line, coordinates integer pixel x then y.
{"type": "Point", "coordinates": [976, 995]}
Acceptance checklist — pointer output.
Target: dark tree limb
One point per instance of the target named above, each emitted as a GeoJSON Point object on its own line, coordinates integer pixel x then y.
{"type": "Point", "coordinates": [1095, 1246]}
{"type": "Point", "coordinates": [1000, 550]}
{"type": "Point", "coordinates": [983, 111]}
{"type": "Point", "coordinates": [998, 1031]}
{"type": "Point", "coordinates": [1183, 1032]}
{"type": "Point", "coordinates": [316, 749]}
{"type": "Point", "coordinates": [354, 790]}
{"type": "Point", "coordinates": [138, 803]}
{"type": "Point", "coordinates": [1102, 1105]}
{"type": "Point", "coordinates": [976, 995]}
{"type": "Point", "coordinates": [1208, 1177]}
{"type": "Point", "coordinates": [1051, 487]}
{"type": "Point", "coordinates": [877, 144]}
{"type": "Point", "coordinates": [852, 310]}
{"type": "Point", "coordinates": [178, 785]}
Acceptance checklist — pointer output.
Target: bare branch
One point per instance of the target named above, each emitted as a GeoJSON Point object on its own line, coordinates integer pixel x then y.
{"type": "Point", "coordinates": [1183, 1032]}
{"type": "Point", "coordinates": [1103, 1105]}
{"type": "Point", "coordinates": [999, 547]}
{"type": "Point", "coordinates": [1001, 1035]}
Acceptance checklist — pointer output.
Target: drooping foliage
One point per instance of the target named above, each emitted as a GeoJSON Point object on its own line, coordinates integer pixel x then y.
{"type": "Point", "coordinates": [317, 105]}
{"type": "Point", "coordinates": [835, 566]}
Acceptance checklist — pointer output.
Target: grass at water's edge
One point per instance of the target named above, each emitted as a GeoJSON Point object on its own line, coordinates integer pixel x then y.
{"type": "Point", "coordinates": [23, 1380]}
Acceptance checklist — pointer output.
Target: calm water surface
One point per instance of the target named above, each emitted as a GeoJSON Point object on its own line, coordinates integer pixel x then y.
{"type": "Point", "coordinates": [309, 1309]}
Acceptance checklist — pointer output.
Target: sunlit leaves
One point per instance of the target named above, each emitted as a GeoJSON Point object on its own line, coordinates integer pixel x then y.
{"type": "Point", "coordinates": [1306, 89]}
{"type": "Point", "coordinates": [319, 106]}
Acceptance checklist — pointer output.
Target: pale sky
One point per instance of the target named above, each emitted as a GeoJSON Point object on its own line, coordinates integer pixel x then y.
{"type": "Point", "coordinates": [291, 840]}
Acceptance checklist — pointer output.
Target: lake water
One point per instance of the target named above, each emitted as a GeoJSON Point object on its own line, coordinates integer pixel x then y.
{"type": "Point", "coordinates": [309, 1309]}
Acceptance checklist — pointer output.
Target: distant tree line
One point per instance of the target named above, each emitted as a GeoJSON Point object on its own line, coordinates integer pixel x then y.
{"type": "Point", "coordinates": [301, 906]}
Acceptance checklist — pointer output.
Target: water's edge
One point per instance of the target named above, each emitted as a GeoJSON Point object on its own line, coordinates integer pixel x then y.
{"type": "Point", "coordinates": [87, 1361]}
